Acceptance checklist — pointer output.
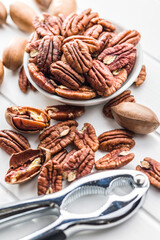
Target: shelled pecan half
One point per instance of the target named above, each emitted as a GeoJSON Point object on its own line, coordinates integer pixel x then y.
{"type": "Point", "coordinates": [123, 97]}
{"type": "Point", "coordinates": [27, 119]}
{"type": "Point", "coordinates": [25, 165]}
{"type": "Point", "coordinates": [64, 112]}
{"type": "Point", "coordinates": [115, 159]}
{"type": "Point", "coordinates": [141, 77]}
{"type": "Point", "coordinates": [151, 168]}
{"type": "Point", "coordinates": [12, 142]}
{"type": "Point", "coordinates": [23, 82]}
{"type": "Point", "coordinates": [115, 139]}
{"type": "Point", "coordinates": [107, 26]}
{"type": "Point", "coordinates": [33, 41]}
{"type": "Point", "coordinates": [94, 31]}
{"type": "Point", "coordinates": [86, 137]}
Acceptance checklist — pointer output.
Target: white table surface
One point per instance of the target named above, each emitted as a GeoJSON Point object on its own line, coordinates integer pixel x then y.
{"type": "Point", "coordinates": [143, 15]}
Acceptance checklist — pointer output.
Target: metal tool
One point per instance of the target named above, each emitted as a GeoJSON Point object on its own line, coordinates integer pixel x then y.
{"type": "Point", "coordinates": [118, 207]}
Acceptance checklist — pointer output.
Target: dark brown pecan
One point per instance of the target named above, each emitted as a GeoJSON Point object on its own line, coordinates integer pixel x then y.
{"type": "Point", "coordinates": [60, 157]}
{"type": "Point", "coordinates": [77, 56]}
{"type": "Point", "coordinates": [33, 42]}
{"type": "Point", "coordinates": [58, 136]}
{"type": "Point", "coordinates": [50, 178]}
{"type": "Point", "coordinates": [27, 119]}
{"type": "Point", "coordinates": [83, 93]}
{"type": "Point", "coordinates": [115, 159]}
{"type": "Point", "coordinates": [114, 139]}
{"type": "Point", "coordinates": [103, 40]}
{"type": "Point", "coordinates": [141, 77]}
{"type": "Point", "coordinates": [39, 78]}
{"type": "Point", "coordinates": [23, 82]}
{"type": "Point", "coordinates": [86, 137]}
{"type": "Point", "coordinates": [128, 36]}
{"type": "Point", "coordinates": [118, 56]}
{"type": "Point", "coordinates": [151, 168]}
{"type": "Point", "coordinates": [25, 165]}
{"type": "Point", "coordinates": [123, 97]}
{"type": "Point", "coordinates": [65, 75]}
{"type": "Point", "coordinates": [64, 112]}
{"type": "Point", "coordinates": [79, 164]}
{"type": "Point", "coordinates": [94, 31]}
{"type": "Point", "coordinates": [12, 142]}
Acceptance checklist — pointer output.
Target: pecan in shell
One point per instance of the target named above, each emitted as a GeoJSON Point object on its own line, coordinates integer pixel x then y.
{"type": "Point", "coordinates": [23, 82]}
{"type": "Point", "coordinates": [141, 77]}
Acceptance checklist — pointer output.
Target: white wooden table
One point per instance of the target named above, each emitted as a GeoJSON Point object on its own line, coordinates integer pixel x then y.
{"type": "Point", "coordinates": [143, 15]}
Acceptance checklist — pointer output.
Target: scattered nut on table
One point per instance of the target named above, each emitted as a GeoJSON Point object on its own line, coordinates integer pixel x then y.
{"type": "Point", "coordinates": [3, 14]}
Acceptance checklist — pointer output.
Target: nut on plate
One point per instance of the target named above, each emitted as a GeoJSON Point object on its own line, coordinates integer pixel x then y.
{"type": "Point", "coordinates": [27, 119]}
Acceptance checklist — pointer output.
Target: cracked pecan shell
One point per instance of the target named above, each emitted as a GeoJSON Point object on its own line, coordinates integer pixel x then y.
{"type": "Point", "coordinates": [86, 137]}
{"type": "Point", "coordinates": [151, 168]}
{"type": "Point", "coordinates": [141, 77]}
{"type": "Point", "coordinates": [64, 112]}
{"type": "Point", "coordinates": [12, 142]}
{"type": "Point", "coordinates": [27, 119]}
{"type": "Point", "coordinates": [65, 75]}
{"type": "Point", "coordinates": [123, 97]}
{"type": "Point", "coordinates": [115, 159]}
{"type": "Point", "coordinates": [23, 82]}
{"type": "Point", "coordinates": [115, 139]}
{"type": "Point", "coordinates": [77, 56]}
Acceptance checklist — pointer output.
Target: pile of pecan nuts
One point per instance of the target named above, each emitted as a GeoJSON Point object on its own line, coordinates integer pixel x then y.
{"type": "Point", "coordinates": [80, 56]}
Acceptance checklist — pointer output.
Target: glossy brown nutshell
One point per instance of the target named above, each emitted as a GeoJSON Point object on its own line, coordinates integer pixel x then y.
{"type": "Point", "coordinates": [27, 119]}
{"type": "Point", "coordinates": [12, 142]}
{"type": "Point", "coordinates": [114, 139]}
{"type": "Point", "coordinates": [151, 168]}
{"type": "Point", "coordinates": [115, 159]}
{"type": "Point", "coordinates": [25, 165]}
{"type": "Point", "coordinates": [50, 178]}
{"type": "Point", "coordinates": [123, 97]}
{"type": "Point", "coordinates": [23, 82]}
{"type": "Point", "coordinates": [64, 112]}
{"type": "Point", "coordinates": [141, 77]}
{"type": "Point", "coordinates": [86, 137]}
{"type": "Point", "coordinates": [58, 136]}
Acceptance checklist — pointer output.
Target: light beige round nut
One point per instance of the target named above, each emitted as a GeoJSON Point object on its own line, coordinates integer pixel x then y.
{"type": "Point", "coordinates": [3, 14]}
{"type": "Point", "coordinates": [22, 15]}
{"type": "Point", "coordinates": [13, 53]}
{"type": "Point", "coordinates": [135, 117]}
{"type": "Point", "coordinates": [1, 72]}
{"type": "Point", "coordinates": [43, 4]}
{"type": "Point", "coordinates": [62, 6]}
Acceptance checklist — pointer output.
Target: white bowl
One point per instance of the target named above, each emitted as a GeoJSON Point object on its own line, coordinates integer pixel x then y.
{"type": "Point", "coordinates": [131, 78]}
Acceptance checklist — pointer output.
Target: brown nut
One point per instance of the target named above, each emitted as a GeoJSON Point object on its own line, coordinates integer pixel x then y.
{"type": "Point", "coordinates": [1, 72]}
{"type": "Point", "coordinates": [3, 14]}
{"type": "Point", "coordinates": [25, 165]}
{"type": "Point", "coordinates": [43, 4]}
{"type": "Point", "coordinates": [115, 159]}
{"type": "Point", "coordinates": [13, 56]}
{"type": "Point", "coordinates": [62, 7]}
{"type": "Point", "coordinates": [33, 44]}
{"type": "Point", "coordinates": [12, 142]}
{"type": "Point", "coordinates": [114, 139]}
{"type": "Point", "coordinates": [86, 137]}
{"type": "Point", "coordinates": [135, 117]}
{"type": "Point", "coordinates": [22, 15]}
{"type": "Point", "coordinates": [141, 77]}
{"type": "Point", "coordinates": [23, 81]}
{"type": "Point", "coordinates": [64, 112]}
{"type": "Point", "coordinates": [151, 168]}
{"type": "Point", "coordinates": [27, 119]}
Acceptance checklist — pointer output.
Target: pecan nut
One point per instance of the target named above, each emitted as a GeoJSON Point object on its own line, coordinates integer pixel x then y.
{"type": "Point", "coordinates": [115, 159]}
{"type": "Point", "coordinates": [94, 31]}
{"type": "Point", "coordinates": [64, 74]}
{"type": "Point", "coordinates": [151, 168]}
{"type": "Point", "coordinates": [141, 77]}
{"type": "Point", "coordinates": [107, 26]}
{"type": "Point", "coordinates": [32, 43]}
{"type": "Point", "coordinates": [114, 139]}
{"type": "Point", "coordinates": [64, 112]}
{"type": "Point", "coordinates": [25, 165]}
{"type": "Point", "coordinates": [123, 97]}
{"type": "Point", "coordinates": [27, 119]}
{"type": "Point", "coordinates": [50, 178]}
{"type": "Point", "coordinates": [77, 56]}
{"type": "Point", "coordinates": [23, 82]}
{"type": "Point", "coordinates": [86, 137]}
{"type": "Point", "coordinates": [58, 136]}
{"type": "Point", "coordinates": [12, 142]}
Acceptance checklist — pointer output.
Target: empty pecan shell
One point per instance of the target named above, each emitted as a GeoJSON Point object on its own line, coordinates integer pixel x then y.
{"type": "Point", "coordinates": [141, 77]}
{"type": "Point", "coordinates": [151, 168]}
{"type": "Point", "coordinates": [23, 81]}
{"type": "Point", "coordinates": [115, 159]}
{"type": "Point", "coordinates": [64, 112]}
{"type": "Point", "coordinates": [12, 142]}
{"type": "Point", "coordinates": [114, 139]}
{"type": "Point", "coordinates": [25, 165]}
{"type": "Point", "coordinates": [27, 119]}
{"type": "Point", "coordinates": [86, 137]}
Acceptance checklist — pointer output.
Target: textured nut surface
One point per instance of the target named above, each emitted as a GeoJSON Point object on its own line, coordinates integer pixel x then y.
{"type": "Point", "coordinates": [12, 142]}
{"type": "Point", "coordinates": [1, 72]}
{"type": "Point", "coordinates": [62, 7]}
{"type": "Point", "coordinates": [64, 112]}
{"type": "Point", "coordinates": [141, 77]}
{"type": "Point", "coordinates": [33, 43]}
{"type": "Point", "coordinates": [3, 13]}
{"type": "Point", "coordinates": [27, 119]}
{"type": "Point", "coordinates": [151, 168]}
{"type": "Point", "coordinates": [43, 4]}
{"type": "Point", "coordinates": [86, 137]}
{"type": "Point", "coordinates": [115, 159]}
{"type": "Point", "coordinates": [115, 139]}
{"type": "Point", "coordinates": [23, 81]}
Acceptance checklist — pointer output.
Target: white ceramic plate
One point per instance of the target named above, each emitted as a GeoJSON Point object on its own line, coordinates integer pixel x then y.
{"type": "Point", "coordinates": [131, 78]}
